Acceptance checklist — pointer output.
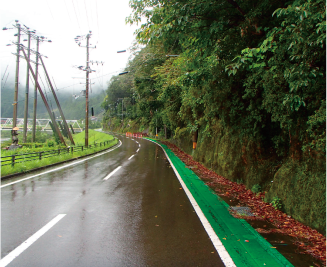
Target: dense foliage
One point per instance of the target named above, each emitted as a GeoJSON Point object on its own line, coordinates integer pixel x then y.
{"type": "Point", "coordinates": [256, 67]}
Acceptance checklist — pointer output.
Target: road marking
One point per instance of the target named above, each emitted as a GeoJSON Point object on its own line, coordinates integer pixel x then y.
{"type": "Point", "coordinates": [131, 157]}
{"type": "Point", "coordinates": [137, 150]}
{"type": "Point", "coordinates": [15, 253]}
{"type": "Point", "coordinates": [112, 173]}
{"type": "Point", "coordinates": [223, 253]}
{"type": "Point", "coordinates": [56, 169]}
{"type": "Point", "coordinates": [139, 145]}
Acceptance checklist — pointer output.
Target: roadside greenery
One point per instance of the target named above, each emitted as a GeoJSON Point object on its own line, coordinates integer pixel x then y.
{"type": "Point", "coordinates": [256, 67]}
{"type": "Point", "coordinates": [95, 137]}
{"type": "Point", "coordinates": [247, 77]}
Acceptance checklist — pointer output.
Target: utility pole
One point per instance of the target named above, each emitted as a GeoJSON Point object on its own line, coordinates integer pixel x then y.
{"type": "Point", "coordinates": [88, 70]}
{"type": "Point", "coordinates": [27, 88]}
{"type": "Point", "coordinates": [53, 119]}
{"type": "Point", "coordinates": [17, 76]}
{"type": "Point", "coordinates": [37, 54]}
{"type": "Point", "coordinates": [30, 34]}
{"type": "Point", "coordinates": [87, 92]}
{"type": "Point", "coordinates": [35, 88]}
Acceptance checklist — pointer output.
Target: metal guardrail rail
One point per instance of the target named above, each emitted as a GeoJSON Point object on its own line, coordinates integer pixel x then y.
{"type": "Point", "coordinates": [6, 124]}
{"type": "Point", "coordinates": [20, 158]}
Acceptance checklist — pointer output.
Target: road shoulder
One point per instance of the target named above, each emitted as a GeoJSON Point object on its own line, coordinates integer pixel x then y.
{"type": "Point", "coordinates": [242, 243]}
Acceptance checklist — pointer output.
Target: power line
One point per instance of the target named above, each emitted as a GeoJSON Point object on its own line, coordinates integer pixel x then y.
{"type": "Point", "coordinates": [67, 11]}
{"type": "Point", "coordinates": [67, 86]}
{"type": "Point", "coordinates": [76, 17]}
{"type": "Point", "coordinates": [91, 15]}
{"type": "Point", "coordinates": [96, 5]}
{"type": "Point", "coordinates": [98, 77]}
{"type": "Point", "coordinates": [87, 17]}
{"type": "Point", "coordinates": [54, 83]}
{"type": "Point", "coordinates": [5, 72]}
{"type": "Point", "coordinates": [50, 9]}
{"type": "Point", "coordinates": [6, 79]}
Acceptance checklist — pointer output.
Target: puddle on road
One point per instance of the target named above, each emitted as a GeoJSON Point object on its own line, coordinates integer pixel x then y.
{"type": "Point", "coordinates": [282, 242]}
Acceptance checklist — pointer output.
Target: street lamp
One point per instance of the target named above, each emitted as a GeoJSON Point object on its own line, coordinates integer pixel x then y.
{"type": "Point", "coordinates": [122, 73]}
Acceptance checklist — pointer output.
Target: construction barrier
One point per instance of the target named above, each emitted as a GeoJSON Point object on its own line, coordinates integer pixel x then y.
{"type": "Point", "coordinates": [136, 135]}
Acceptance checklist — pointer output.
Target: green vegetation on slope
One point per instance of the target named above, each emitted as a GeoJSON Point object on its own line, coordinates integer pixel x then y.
{"type": "Point", "coordinates": [247, 77]}
{"type": "Point", "coordinates": [94, 137]}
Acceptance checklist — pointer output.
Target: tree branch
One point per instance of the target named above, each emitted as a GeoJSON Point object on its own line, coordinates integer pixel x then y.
{"type": "Point", "coordinates": [234, 4]}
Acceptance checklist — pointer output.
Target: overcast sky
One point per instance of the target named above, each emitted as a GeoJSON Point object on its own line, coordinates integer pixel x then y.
{"type": "Point", "coordinates": [61, 21]}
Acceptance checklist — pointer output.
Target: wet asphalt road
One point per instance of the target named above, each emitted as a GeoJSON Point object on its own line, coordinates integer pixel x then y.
{"type": "Point", "coordinates": [139, 216]}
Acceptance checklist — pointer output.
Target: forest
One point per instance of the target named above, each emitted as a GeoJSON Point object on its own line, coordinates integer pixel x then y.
{"type": "Point", "coordinates": [245, 78]}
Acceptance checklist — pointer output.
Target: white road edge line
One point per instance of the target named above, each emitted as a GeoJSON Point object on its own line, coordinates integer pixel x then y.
{"type": "Point", "coordinates": [112, 173]}
{"type": "Point", "coordinates": [15, 182]}
{"type": "Point", "coordinates": [17, 251]}
{"type": "Point", "coordinates": [224, 255]}
{"type": "Point", "coordinates": [131, 157]}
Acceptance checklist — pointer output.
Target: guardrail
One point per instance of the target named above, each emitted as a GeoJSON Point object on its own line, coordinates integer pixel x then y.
{"type": "Point", "coordinates": [20, 158]}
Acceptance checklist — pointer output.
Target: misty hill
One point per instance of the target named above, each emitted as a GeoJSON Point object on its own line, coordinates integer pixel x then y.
{"type": "Point", "coordinates": [73, 107]}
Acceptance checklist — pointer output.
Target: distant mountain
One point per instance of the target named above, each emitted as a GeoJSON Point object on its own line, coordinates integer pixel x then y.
{"type": "Point", "coordinates": [72, 106]}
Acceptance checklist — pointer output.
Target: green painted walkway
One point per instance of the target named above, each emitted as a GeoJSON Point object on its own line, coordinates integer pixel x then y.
{"type": "Point", "coordinates": [244, 245]}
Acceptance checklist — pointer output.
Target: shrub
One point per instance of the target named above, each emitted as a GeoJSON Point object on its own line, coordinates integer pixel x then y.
{"type": "Point", "coordinates": [50, 143]}
{"type": "Point", "coordinates": [276, 203]}
{"type": "Point", "coordinates": [256, 188]}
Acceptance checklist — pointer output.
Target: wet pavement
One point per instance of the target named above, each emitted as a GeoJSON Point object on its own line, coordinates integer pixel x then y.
{"type": "Point", "coordinates": [138, 216]}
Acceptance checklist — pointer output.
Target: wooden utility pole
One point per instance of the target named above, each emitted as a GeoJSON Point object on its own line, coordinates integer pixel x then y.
{"type": "Point", "coordinates": [16, 77]}
{"type": "Point", "coordinates": [58, 104]}
{"type": "Point", "coordinates": [44, 100]}
{"type": "Point", "coordinates": [88, 70]}
{"type": "Point", "coordinates": [87, 91]}
{"type": "Point", "coordinates": [35, 88]}
{"type": "Point", "coordinates": [27, 89]}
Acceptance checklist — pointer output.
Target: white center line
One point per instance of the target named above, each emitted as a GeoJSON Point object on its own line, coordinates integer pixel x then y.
{"type": "Point", "coordinates": [137, 150]}
{"type": "Point", "coordinates": [131, 157]}
{"type": "Point", "coordinates": [110, 174]}
{"type": "Point", "coordinates": [67, 165]}
{"type": "Point", "coordinates": [15, 253]}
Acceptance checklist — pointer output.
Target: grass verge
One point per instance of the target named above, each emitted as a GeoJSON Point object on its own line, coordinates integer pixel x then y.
{"type": "Point", "coordinates": [96, 137]}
